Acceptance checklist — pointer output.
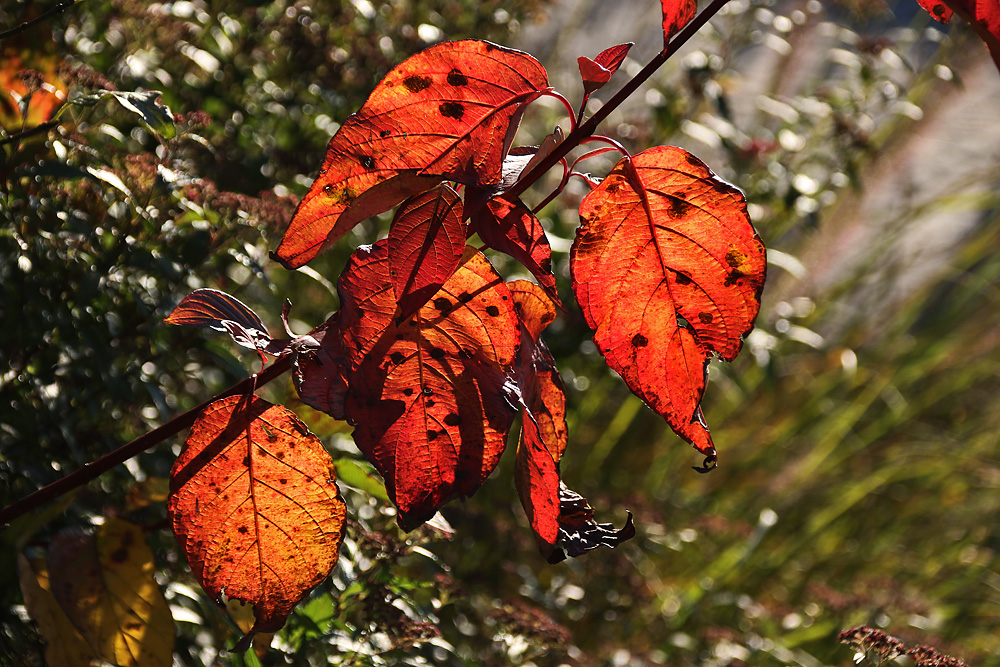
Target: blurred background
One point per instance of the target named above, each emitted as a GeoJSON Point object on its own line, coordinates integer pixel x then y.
{"type": "Point", "coordinates": [858, 431]}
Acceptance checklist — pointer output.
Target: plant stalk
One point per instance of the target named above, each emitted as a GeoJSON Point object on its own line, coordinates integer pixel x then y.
{"type": "Point", "coordinates": [93, 469]}
{"type": "Point", "coordinates": [588, 127]}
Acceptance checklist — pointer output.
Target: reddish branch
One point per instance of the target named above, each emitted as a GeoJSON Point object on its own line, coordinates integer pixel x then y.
{"type": "Point", "coordinates": [92, 470]}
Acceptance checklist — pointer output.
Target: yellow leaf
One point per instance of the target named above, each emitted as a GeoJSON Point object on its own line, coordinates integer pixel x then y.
{"type": "Point", "coordinates": [65, 647]}
{"type": "Point", "coordinates": [104, 582]}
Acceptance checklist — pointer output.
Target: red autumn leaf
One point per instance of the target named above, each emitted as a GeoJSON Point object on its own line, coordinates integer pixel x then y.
{"type": "Point", "coordinates": [667, 270]}
{"type": "Point", "coordinates": [982, 15]}
{"type": "Point", "coordinates": [426, 242]}
{"type": "Point", "coordinates": [543, 430]}
{"type": "Point", "coordinates": [507, 225]}
{"type": "Point", "coordinates": [448, 112]}
{"type": "Point", "coordinates": [428, 394]}
{"type": "Point", "coordinates": [221, 312]}
{"type": "Point", "coordinates": [676, 15]}
{"type": "Point", "coordinates": [255, 507]}
{"type": "Point", "coordinates": [558, 516]}
{"type": "Point", "coordinates": [319, 375]}
{"type": "Point", "coordinates": [597, 72]}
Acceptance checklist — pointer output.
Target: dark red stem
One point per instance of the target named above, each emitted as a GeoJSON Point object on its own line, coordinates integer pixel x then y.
{"type": "Point", "coordinates": [588, 127]}
{"type": "Point", "coordinates": [91, 470]}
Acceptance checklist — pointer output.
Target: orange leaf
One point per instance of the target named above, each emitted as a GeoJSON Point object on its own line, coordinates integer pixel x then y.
{"type": "Point", "coordinates": [427, 394]}
{"type": "Point", "coordinates": [443, 113]}
{"type": "Point", "coordinates": [426, 242]}
{"type": "Point", "coordinates": [104, 582]}
{"type": "Point", "coordinates": [507, 225]}
{"type": "Point", "coordinates": [255, 507]}
{"type": "Point", "coordinates": [668, 270]}
{"type": "Point", "coordinates": [676, 15]}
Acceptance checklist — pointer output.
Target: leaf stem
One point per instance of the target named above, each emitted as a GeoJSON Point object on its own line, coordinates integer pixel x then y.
{"type": "Point", "coordinates": [588, 127]}
{"type": "Point", "coordinates": [93, 469]}
{"type": "Point", "coordinates": [48, 13]}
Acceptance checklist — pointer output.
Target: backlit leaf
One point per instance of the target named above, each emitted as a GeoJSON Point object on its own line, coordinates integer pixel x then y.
{"type": "Point", "coordinates": [447, 112]}
{"type": "Point", "coordinates": [104, 583]}
{"type": "Point", "coordinates": [543, 429]}
{"type": "Point", "coordinates": [319, 377]}
{"type": "Point", "coordinates": [64, 645]}
{"type": "Point", "coordinates": [597, 72]}
{"type": "Point", "coordinates": [982, 15]}
{"type": "Point", "coordinates": [222, 312]}
{"type": "Point", "coordinates": [255, 507]}
{"type": "Point", "coordinates": [427, 394]}
{"type": "Point", "coordinates": [676, 15]}
{"type": "Point", "coordinates": [426, 242]}
{"type": "Point", "coordinates": [668, 271]}
{"type": "Point", "coordinates": [507, 225]}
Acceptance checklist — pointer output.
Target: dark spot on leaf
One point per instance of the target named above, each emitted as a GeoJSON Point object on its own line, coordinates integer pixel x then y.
{"type": "Point", "coordinates": [679, 207]}
{"type": "Point", "coordinates": [733, 276]}
{"type": "Point", "coordinates": [119, 555]}
{"type": "Point", "coordinates": [442, 304]}
{"type": "Point", "coordinates": [682, 279]}
{"type": "Point", "coordinates": [408, 391]}
{"type": "Point", "coordinates": [437, 353]}
{"type": "Point", "coordinates": [639, 340]}
{"type": "Point", "coordinates": [705, 318]}
{"type": "Point", "coordinates": [613, 188]}
{"type": "Point", "coordinates": [396, 357]}
{"type": "Point", "coordinates": [415, 83]}
{"type": "Point", "coordinates": [427, 391]}
{"type": "Point", "coordinates": [431, 435]}
{"type": "Point", "coordinates": [429, 403]}
{"type": "Point", "coordinates": [451, 110]}
{"type": "Point", "coordinates": [283, 480]}
{"type": "Point", "coordinates": [246, 460]}
{"type": "Point", "coordinates": [385, 133]}
{"type": "Point", "coordinates": [367, 161]}
{"type": "Point", "coordinates": [456, 78]}
{"type": "Point", "coordinates": [453, 420]}
{"type": "Point", "coordinates": [327, 188]}
{"type": "Point", "coordinates": [464, 297]}
{"type": "Point", "coordinates": [693, 161]}
{"type": "Point", "coordinates": [281, 455]}
{"type": "Point", "coordinates": [242, 530]}
{"type": "Point", "coordinates": [734, 258]}
{"type": "Point", "coordinates": [492, 311]}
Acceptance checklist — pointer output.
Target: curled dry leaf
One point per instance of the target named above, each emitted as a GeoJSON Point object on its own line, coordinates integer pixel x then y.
{"type": "Point", "coordinates": [222, 312]}
{"type": "Point", "coordinates": [668, 271]}
{"type": "Point", "coordinates": [319, 376]}
{"type": "Point", "coordinates": [255, 508]}
{"type": "Point", "coordinates": [427, 393]}
{"type": "Point", "coordinates": [104, 584]}
{"type": "Point", "coordinates": [447, 112]}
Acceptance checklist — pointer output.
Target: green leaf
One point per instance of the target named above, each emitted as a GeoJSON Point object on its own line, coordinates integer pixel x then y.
{"type": "Point", "coordinates": [354, 474]}
{"type": "Point", "coordinates": [156, 116]}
